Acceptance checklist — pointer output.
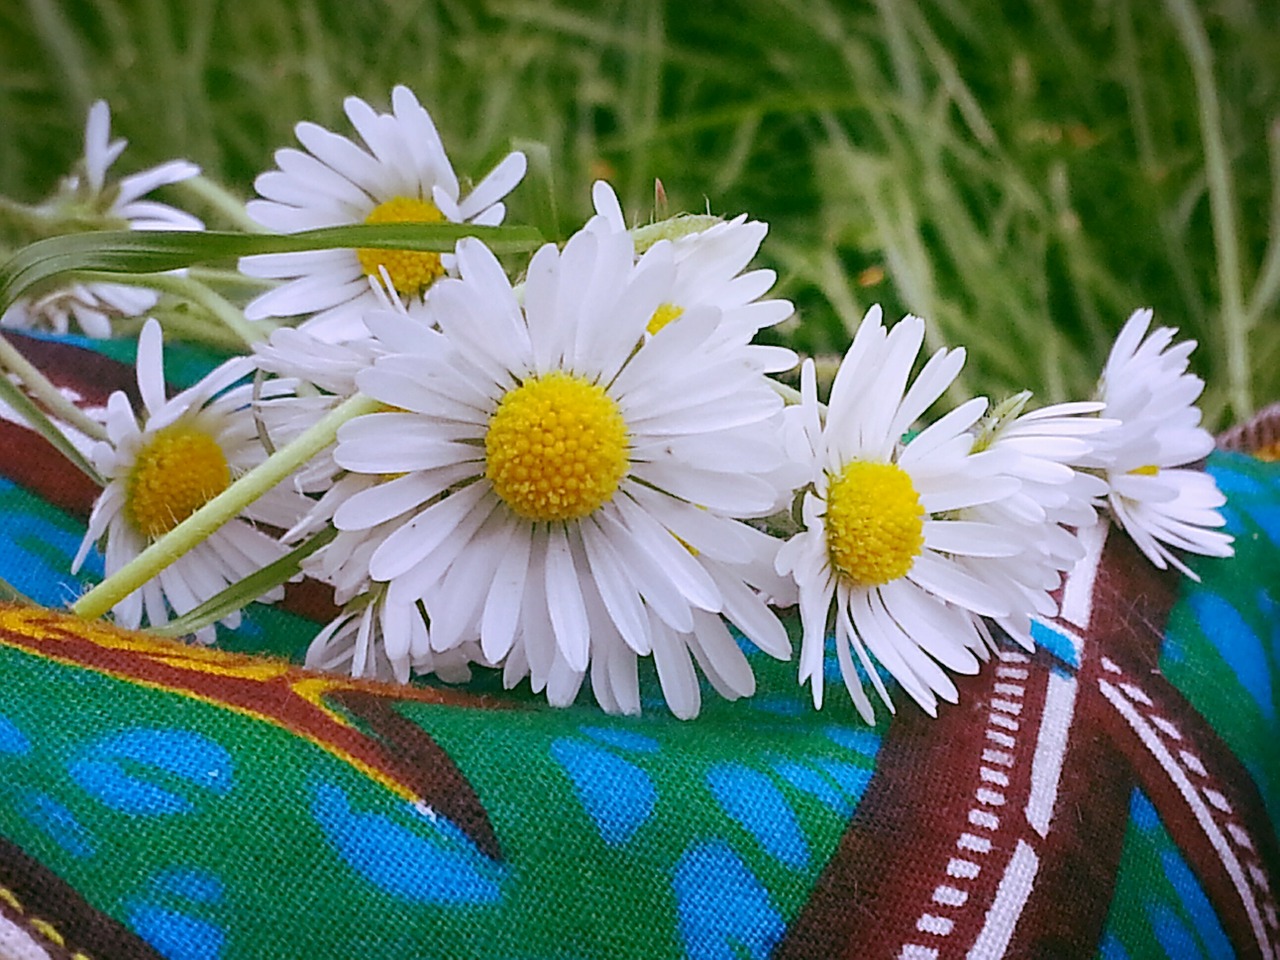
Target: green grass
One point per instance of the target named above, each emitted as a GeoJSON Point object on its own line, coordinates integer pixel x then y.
{"type": "Point", "coordinates": [1023, 174]}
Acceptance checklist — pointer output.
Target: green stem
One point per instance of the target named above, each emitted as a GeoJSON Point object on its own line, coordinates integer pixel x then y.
{"type": "Point", "coordinates": [1235, 322]}
{"type": "Point", "coordinates": [173, 283]}
{"type": "Point", "coordinates": [785, 391]}
{"type": "Point", "coordinates": [187, 326]}
{"type": "Point", "coordinates": [242, 593]}
{"type": "Point", "coordinates": [225, 506]}
{"type": "Point", "coordinates": [49, 396]}
{"type": "Point", "coordinates": [11, 594]}
{"type": "Point", "coordinates": [39, 421]}
{"type": "Point", "coordinates": [23, 216]}
{"type": "Point", "coordinates": [215, 276]}
{"type": "Point", "coordinates": [222, 200]}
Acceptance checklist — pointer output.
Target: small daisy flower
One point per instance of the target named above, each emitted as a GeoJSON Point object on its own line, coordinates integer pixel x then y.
{"type": "Point", "coordinates": [401, 176]}
{"type": "Point", "coordinates": [1045, 450]}
{"type": "Point", "coordinates": [1152, 494]}
{"type": "Point", "coordinates": [376, 640]}
{"type": "Point", "coordinates": [303, 357]}
{"type": "Point", "coordinates": [322, 375]}
{"type": "Point", "coordinates": [371, 637]}
{"type": "Point", "coordinates": [89, 306]}
{"type": "Point", "coordinates": [709, 265]}
{"type": "Point", "coordinates": [882, 555]}
{"type": "Point", "coordinates": [184, 452]}
{"type": "Point", "coordinates": [564, 487]}
{"type": "Point", "coordinates": [86, 197]}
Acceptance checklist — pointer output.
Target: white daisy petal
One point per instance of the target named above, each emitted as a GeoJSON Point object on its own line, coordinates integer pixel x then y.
{"type": "Point", "coordinates": [619, 595]}
{"type": "Point", "coordinates": [564, 601]}
{"type": "Point", "coordinates": [720, 658]}
{"type": "Point", "coordinates": [502, 605]}
{"type": "Point", "coordinates": [675, 672]}
{"type": "Point", "coordinates": [163, 467]}
{"type": "Point", "coordinates": [500, 181]}
{"type": "Point", "coordinates": [404, 175]}
{"type": "Point", "coordinates": [1149, 394]}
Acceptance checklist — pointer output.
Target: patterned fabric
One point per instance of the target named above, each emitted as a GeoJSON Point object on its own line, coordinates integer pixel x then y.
{"type": "Point", "coordinates": [1113, 795]}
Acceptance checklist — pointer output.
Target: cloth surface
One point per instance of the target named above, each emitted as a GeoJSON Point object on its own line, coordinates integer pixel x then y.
{"type": "Point", "coordinates": [1112, 795]}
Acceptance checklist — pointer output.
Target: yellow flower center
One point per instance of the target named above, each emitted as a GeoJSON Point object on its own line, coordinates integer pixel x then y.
{"type": "Point", "coordinates": [662, 316]}
{"type": "Point", "coordinates": [1150, 470]}
{"type": "Point", "coordinates": [411, 271]}
{"type": "Point", "coordinates": [875, 523]}
{"type": "Point", "coordinates": [175, 474]}
{"type": "Point", "coordinates": [556, 448]}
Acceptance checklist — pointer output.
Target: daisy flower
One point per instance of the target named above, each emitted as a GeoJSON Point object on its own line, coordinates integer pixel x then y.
{"type": "Point", "coordinates": [313, 377]}
{"type": "Point", "coordinates": [882, 555]}
{"type": "Point", "coordinates": [319, 375]}
{"type": "Point", "coordinates": [373, 639]}
{"type": "Point", "coordinates": [85, 196]}
{"type": "Point", "coordinates": [1158, 501]}
{"type": "Point", "coordinates": [709, 265]}
{"type": "Point", "coordinates": [1045, 450]}
{"type": "Point", "coordinates": [184, 451]}
{"type": "Point", "coordinates": [402, 175]}
{"type": "Point", "coordinates": [567, 491]}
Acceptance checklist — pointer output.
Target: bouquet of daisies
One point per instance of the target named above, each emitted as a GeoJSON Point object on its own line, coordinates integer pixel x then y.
{"type": "Point", "coordinates": [556, 460]}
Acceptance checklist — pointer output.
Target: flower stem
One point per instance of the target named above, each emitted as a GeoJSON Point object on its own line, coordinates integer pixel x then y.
{"type": "Point", "coordinates": [221, 199]}
{"type": "Point", "coordinates": [189, 289]}
{"type": "Point", "coordinates": [785, 391]}
{"type": "Point", "coordinates": [21, 215]}
{"type": "Point", "coordinates": [48, 396]}
{"type": "Point", "coordinates": [226, 505]}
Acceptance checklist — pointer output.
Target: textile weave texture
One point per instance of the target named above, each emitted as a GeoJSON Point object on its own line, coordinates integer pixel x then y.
{"type": "Point", "coordinates": [1112, 795]}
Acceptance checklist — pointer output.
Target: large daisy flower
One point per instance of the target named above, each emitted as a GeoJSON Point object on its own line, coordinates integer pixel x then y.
{"type": "Point", "coordinates": [1158, 501]}
{"type": "Point", "coordinates": [161, 468]}
{"type": "Point", "coordinates": [883, 556]}
{"type": "Point", "coordinates": [710, 261]}
{"type": "Point", "coordinates": [569, 491]}
{"type": "Point", "coordinates": [402, 175]}
{"type": "Point", "coordinates": [85, 196]}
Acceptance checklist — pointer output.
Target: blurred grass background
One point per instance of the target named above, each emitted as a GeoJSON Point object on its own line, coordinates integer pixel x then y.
{"type": "Point", "coordinates": [1022, 173]}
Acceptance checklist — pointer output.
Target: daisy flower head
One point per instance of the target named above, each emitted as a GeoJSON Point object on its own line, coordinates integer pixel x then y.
{"type": "Point", "coordinates": [1045, 450]}
{"type": "Point", "coordinates": [375, 640]}
{"type": "Point", "coordinates": [371, 637]}
{"type": "Point", "coordinates": [1152, 493]}
{"type": "Point", "coordinates": [884, 556]}
{"type": "Point", "coordinates": [124, 201]}
{"type": "Point", "coordinates": [91, 307]}
{"type": "Point", "coordinates": [400, 175]}
{"type": "Point", "coordinates": [87, 199]}
{"type": "Point", "coordinates": [164, 466]}
{"type": "Point", "coordinates": [566, 490]}
{"type": "Point", "coordinates": [710, 256]}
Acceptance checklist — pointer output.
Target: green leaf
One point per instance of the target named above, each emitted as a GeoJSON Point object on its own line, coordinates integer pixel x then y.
{"type": "Point", "coordinates": [243, 592]}
{"type": "Point", "coordinates": [155, 251]}
{"type": "Point", "coordinates": [11, 594]}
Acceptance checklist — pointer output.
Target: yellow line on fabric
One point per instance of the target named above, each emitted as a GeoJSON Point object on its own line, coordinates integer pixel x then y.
{"type": "Point", "coordinates": [387, 780]}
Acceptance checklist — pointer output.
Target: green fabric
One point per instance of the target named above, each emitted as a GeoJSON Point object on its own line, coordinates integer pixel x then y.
{"type": "Point", "coordinates": [161, 800]}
